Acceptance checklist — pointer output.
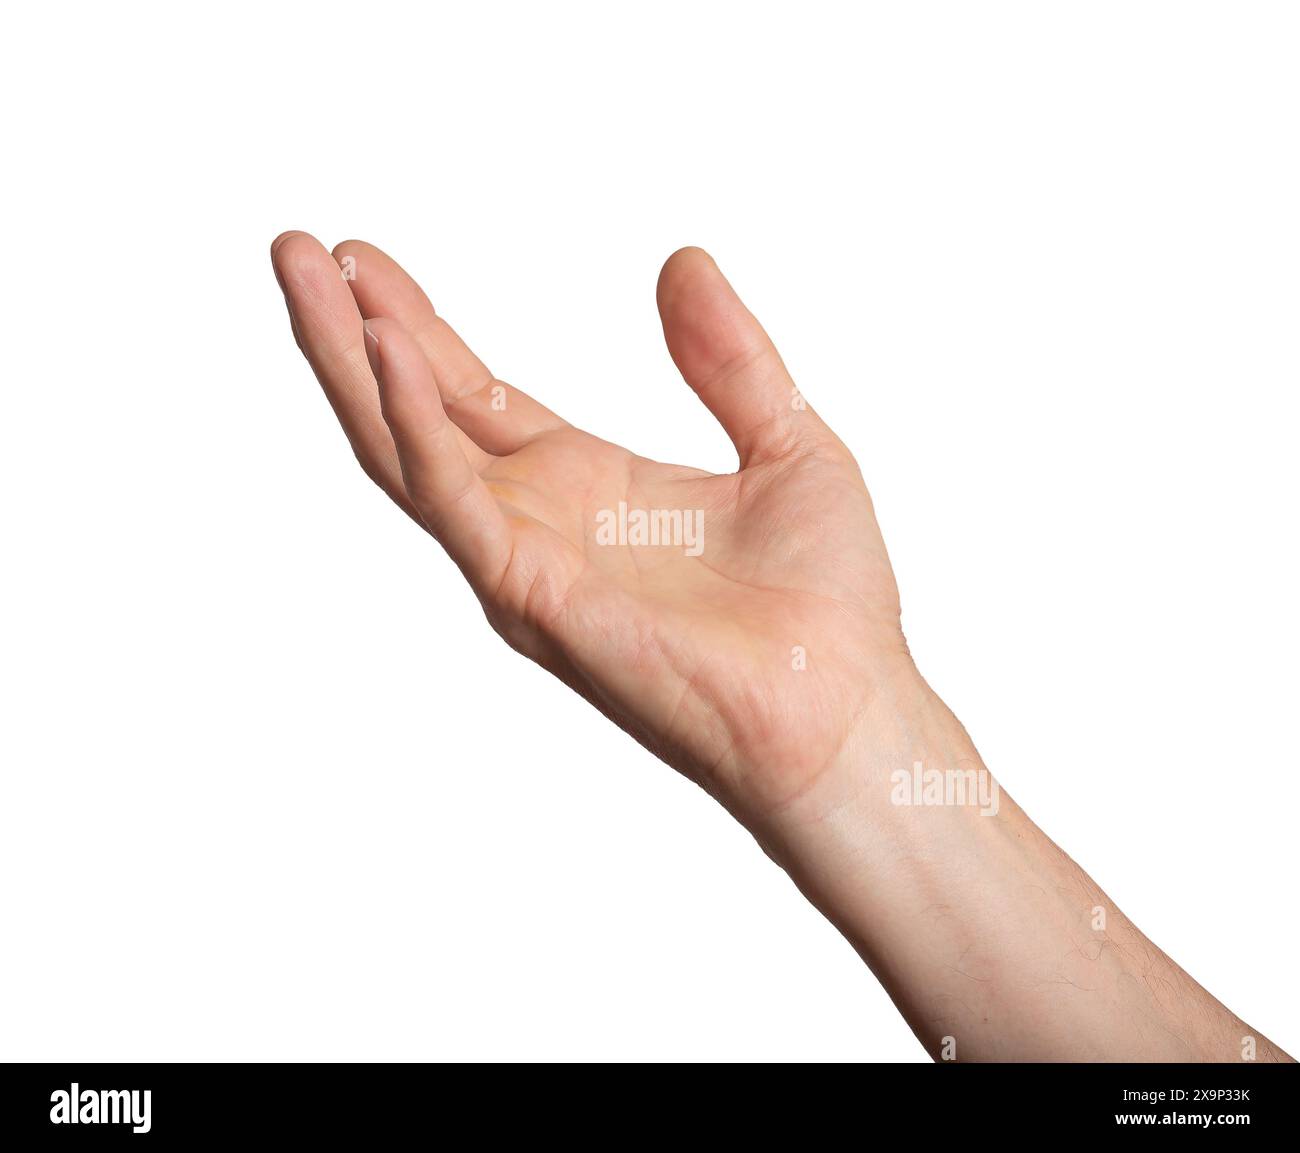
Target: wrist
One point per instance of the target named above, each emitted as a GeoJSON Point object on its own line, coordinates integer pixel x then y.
{"type": "Point", "coordinates": [907, 817]}
{"type": "Point", "coordinates": [904, 750]}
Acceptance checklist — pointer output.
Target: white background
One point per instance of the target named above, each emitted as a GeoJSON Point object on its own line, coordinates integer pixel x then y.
{"type": "Point", "coordinates": [270, 787]}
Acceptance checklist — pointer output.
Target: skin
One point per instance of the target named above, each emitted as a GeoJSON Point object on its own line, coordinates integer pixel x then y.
{"type": "Point", "coordinates": [771, 669]}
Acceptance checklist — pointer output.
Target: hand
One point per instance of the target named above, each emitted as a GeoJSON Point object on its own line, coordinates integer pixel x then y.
{"type": "Point", "coordinates": [745, 655]}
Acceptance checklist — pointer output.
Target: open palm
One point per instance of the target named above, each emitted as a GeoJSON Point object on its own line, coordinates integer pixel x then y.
{"type": "Point", "coordinates": [737, 625]}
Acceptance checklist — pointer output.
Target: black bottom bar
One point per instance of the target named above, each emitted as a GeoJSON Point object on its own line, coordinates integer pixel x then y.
{"type": "Point", "coordinates": [358, 1104]}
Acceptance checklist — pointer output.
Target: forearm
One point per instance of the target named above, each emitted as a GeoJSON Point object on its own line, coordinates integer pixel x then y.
{"type": "Point", "coordinates": [993, 943]}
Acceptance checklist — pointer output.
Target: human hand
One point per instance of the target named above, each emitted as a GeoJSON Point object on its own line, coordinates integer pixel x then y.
{"type": "Point", "coordinates": [746, 650]}
{"type": "Point", "coordinates": [762, 657]}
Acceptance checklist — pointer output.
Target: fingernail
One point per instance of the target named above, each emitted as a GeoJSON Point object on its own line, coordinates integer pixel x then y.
{"type": "Point", "coordinates": [372, 349]}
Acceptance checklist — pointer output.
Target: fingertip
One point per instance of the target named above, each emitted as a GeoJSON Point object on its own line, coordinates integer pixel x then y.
{"type": "Point", "coordinates": [382, 338]}
{"type": "Point", "coordinates": [371, 340]}
{"type": "Point", "coordinates": [398, 364]}
{"type": "Point", "coordinates": [353, 249]}
{"type": "Point", "coordinates": [279, 240]}
{"type": "Point", "coordinates": [384, 330]}
{"type": "Point", "coordinates": [278, 243]}
{"type": "Point", "coordinates": [299, 260]}
{"type": "Point", "coordinates": [682, 266]}
{"type": "Point", "coordinates": [689, 252]}
{"type": "Point", "coordinates": [284, 238]}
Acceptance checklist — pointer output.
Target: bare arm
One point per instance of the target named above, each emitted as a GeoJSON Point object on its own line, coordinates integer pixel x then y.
{"type": "Point", "coordinates": [746, 628]}
{"type": "Point", "coordinates": [992, 942]}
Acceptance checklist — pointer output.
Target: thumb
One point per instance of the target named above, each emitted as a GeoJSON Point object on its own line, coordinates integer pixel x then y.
{"type": "Point", "coordinates": [726, 357]}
